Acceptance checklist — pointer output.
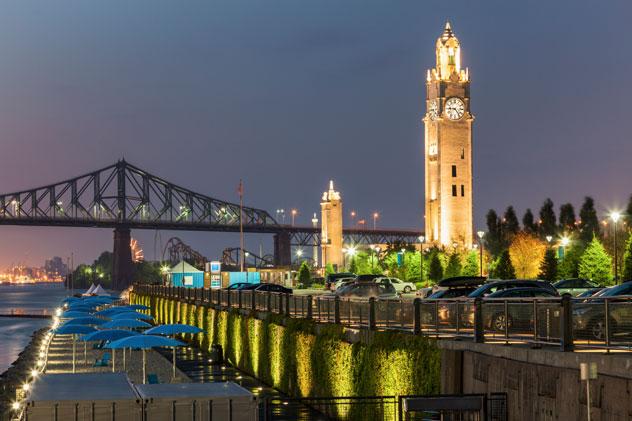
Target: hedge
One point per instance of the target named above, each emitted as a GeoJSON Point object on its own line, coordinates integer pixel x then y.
{"type": "Point", "coordinates": [295, 360]}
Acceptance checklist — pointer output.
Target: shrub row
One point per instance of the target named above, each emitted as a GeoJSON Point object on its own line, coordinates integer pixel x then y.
{"type": "Point", "coordinates": [291, 357]}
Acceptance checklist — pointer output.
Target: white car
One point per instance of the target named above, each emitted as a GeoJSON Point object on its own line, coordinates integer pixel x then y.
{"type": "Point", "coordinates": [342, 281]}
{"type": "Point", "coordinates": [399, 285]}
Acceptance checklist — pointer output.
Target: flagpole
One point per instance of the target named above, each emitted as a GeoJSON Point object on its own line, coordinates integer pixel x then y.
{"type": "Point", "coordinates": [241, 225]}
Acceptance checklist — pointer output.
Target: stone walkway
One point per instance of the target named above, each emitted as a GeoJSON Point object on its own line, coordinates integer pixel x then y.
{"type": "Point", "coordinates": [60, 361]}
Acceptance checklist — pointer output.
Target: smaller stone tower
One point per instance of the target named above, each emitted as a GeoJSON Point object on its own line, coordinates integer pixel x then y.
{"type": "Point", "coordinates": [331, 228]}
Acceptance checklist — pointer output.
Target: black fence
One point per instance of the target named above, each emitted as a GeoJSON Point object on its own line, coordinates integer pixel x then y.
{"type": "Point", "coordinates": [475, 407]}
{"type": "Point", "coordinates": [565, 322]}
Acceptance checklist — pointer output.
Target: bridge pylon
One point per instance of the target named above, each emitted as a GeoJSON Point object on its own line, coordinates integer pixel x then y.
{"type": "Point", "coordinates": [122, 266]}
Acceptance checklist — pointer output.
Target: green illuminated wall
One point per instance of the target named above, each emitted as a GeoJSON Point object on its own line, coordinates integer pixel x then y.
{"type": "Point", "coordinates": [299, 362]}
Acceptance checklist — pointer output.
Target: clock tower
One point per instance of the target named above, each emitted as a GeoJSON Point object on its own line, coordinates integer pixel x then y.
{"type": "Point", "coordinates": [448, 147]}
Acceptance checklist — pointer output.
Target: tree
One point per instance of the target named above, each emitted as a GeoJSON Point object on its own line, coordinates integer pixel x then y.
{"type": "Point", "coordinates": [568, 266]}
{"type": "Point", "coordinates": [527, 253]}
{"type": "Point", "coordinates": [510, 225]}
{"type": "Point", "coordinates": [589, 226]}
{"type": "Point", "coordinates": [353, 265]}
{"type": "Point", "coordinates": [628, 214]}
{"type": "Point", "coordinates": [329, 269]}
{"type": "Point", "coordinates": [595, 263]}
{"type": "Point", "coordinates": [528, 223]}
{"type": "Point", "coordinates": [626, 274]}
{"type": "Point", "coordinates": [454, 266]}
{"type": "Point", "coordinates": [504, 269]}
{"type": "Point", "coordinates": [304, 274]}
{"type": "Point", "coordinates": [548, 225]}
{"type": "Point", "coordinates": [548, 269]}
{"type": "Point", "coordinates": [493, 237]}
{"type": "Point", "coordinates": [567, 217]}
{"type": "Point", "coordinates": [147, 272]}
{"type": "Point", "coordinates": [435, 271]}
{"type": "Point", "coordinates": [471, 267]}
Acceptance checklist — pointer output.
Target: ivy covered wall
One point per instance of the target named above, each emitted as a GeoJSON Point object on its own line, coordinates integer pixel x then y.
{"type": "Point", "coordinates": [294, 359]}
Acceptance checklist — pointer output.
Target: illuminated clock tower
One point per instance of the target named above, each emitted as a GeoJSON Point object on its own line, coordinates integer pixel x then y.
{"type": "Point", "coordinates": [448, 147]}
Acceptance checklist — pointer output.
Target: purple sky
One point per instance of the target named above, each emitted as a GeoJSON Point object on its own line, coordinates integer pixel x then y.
{"type": "Point", "coordinates": [287, 94]}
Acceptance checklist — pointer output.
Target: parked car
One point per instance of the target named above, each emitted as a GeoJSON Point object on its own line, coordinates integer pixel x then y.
{"type": "Point", "coordinates": [268, 288]}
{"type": "Point", "coordinates": [492, 287]}
{"type": "Point", "coordinates": [589, 318]}
{"type": "Point", "coordinates": [342, 281]}
{"type": "Point", "coordinates": [238, 285]}
{"type": "Point", "coordinates": [458, 286]}
{"type": "Point", "coordinates": [367, 290]}
{"type": "Point", "coordinates": [333, 277]}
{"type": "Point", "coordinates": [574, 286]}
{"type": "Point", "coordinates": [519, 315]}
{"type": "Point", "coordinates": [590, 292]}
{"type": "Point", "coordinates": [399, 285]}
{"type": "Point", "coordinates": [368, 277]}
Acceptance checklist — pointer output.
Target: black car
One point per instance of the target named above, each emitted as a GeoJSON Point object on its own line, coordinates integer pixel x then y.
{"type": "Point", "coordinates": [519, 314]}
{"type": "Point", "coordinates": [492, 287]}
{"type": "Point", "coordinates": [333, 277]}
{"type": "Point", "coordinates": [238, 285]}
{"type": "Point", "coordinates": [459, 286]}
{"type": "Point", "coordinates": [367, 290]}
{"type": "Point", "coordinates": [273, 288]}
{"type": "Point", "coordinates": [589, 318]}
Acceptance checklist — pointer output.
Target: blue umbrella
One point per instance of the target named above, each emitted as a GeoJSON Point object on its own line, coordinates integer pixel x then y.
{"type": "Point", "coordinates": [85, 321]}
{"type": "Point", "coordinates": [71, 314]}
{"type": "Point", "coordinates": [138, 307]}
{"type": "Point", "coordinates": [110, 336]}
{"type": "Point", "coordinates": [70, 299]}
{"type": "Point", "coordinates": [80, 307]}
{"type": "Point", "coordinates": [114, 310]}
{"type": "Point", "coordinates": [131, 315]}
{"type": "Point", "coordinates": [144, 342]}
{"type": "Point", "coordinates": [74, 330]}
{"type": "Point", "coordinates": [133, 323]}
{"type": "Point", "coordinates": [173, 329]}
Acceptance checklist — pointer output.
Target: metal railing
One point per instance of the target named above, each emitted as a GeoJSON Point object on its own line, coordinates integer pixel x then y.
{"type": "Point", "coordinates": [569, 323]}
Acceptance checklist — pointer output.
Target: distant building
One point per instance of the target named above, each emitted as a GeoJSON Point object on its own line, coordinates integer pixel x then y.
{"type": "Point", "coordinates": [55, 267]}
{"type": "Point", "coordinates": [331, 228]}
{"type": "Point", "coordinates": [448, 147]}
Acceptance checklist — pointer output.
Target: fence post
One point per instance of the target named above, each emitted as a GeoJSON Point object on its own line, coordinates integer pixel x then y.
{"type": "Point", "coordinates": [239, 297]}
{"type": "Point", "coordinates": [337, 309]}
{"type": "Point", "coordinates": [309, 306]}
{"type": "Point", "coordinates": [268, 301]}
{"type": "Point", "coordinates": [287, 304]}
{"type": "Point", "coordinates": [253, 300]}
{"type": "Point", "coordinates": [372, 313]}
{"type": "Point", "coordinates": [417, 316]}
{"type": "Point", "coordinates": [566, 324]}
{"type": "Point", "coordinates": [227, 298]}
{"type": "Point", "coordinates": [479, 331]}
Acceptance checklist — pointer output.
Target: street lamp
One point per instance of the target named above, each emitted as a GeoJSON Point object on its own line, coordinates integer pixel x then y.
{"type": "Point", "coordinates": [421, 239]}
{"type": "Point", "coordinates": [480, 235]}
{"type": "Point", "coordinates": [549, 238]}
{"type": "Point", "coordinates": [315, 249]}
{"type": "Point", "coordinates": [293, 212]}
{"type": "Point", "coordinates": [376, 250]}
{"type": "Point", "coordinates": [353, 215]}
{"type": "Point", "coordinates": [375, 216]}
{"type": "Point", "coordinates": [282, 213]}
{"type": "Point", "coordinates": [564, 242]}
{"type": "Point", "coordinates": [615, 218]}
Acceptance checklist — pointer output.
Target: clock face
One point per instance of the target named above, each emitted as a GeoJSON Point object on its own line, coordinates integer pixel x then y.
{"type": "Point", "coordinates": [433, 110]}
{"type": "Point", "coordinates": [454, 108]}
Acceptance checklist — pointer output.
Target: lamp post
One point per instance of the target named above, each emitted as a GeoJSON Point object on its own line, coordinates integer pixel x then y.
{"type": "Point", "coordinates": [421, 239]}
{"type": "Point", "coordinates": [375, 216]}
{"type": "Point", "coordinates": [615, 218]}
{"type": "Point", "coordinates": [564, 242]}
{"type": "Point", "coordinates": [315, 249]}
{"type": "Point", "coordinates": [353, 215]}
{"type": "Point", "coordinates": [293, 212]}
{"type": "Point", "coordinates": [480, 235]}
{"type": "Point", "coordinates": [282, 213]}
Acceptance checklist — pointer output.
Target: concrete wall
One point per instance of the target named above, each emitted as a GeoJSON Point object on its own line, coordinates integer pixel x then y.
{"type": "Point", "coordinates": [540, 384]}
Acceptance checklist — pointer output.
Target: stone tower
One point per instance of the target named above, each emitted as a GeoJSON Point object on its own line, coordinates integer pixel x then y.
{"type": "Point", "coordinates": [331, 228]}
{"type": "Point", "coordinates": [448, 147]}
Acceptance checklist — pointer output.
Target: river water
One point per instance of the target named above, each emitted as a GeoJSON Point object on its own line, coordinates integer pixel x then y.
{"type": "Point", "coordinates": [15, 333]}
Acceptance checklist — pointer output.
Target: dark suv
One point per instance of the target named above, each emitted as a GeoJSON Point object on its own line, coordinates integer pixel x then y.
{"type": "Point", "coordinates": [492, 287]}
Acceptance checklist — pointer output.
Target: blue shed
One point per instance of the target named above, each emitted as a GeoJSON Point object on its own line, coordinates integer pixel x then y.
{"type": "Point", "coordinates": [185, 275]}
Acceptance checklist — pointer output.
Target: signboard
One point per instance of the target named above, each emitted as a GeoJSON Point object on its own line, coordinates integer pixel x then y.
{"type": "Point", "coordinates": [215, 267]}
{"type": "Point", "coordinates": [188, 280]}
{"type": "Point", "coordinates": [216, 281]}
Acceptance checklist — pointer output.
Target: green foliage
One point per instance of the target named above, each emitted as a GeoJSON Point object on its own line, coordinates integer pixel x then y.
{"type": "Point", "coordinates": [528, 222]}
{"type": "Point", "coordinates": [548, 269]}
{"type": "Point", "coordinates": [147, 272]}
{"type": "Point", "coordinates": [493, 237]}
{"type": "Point", "coordinates": [454, 266]}
{"type": "Point", "coordinates": [329, 269]}
{"type": "Point", "coordinates": [568, 267]}
{"type": "Point", "coordinates": [626, 274]}
{"type": "Point", "coordinates": [471, 267]}
{"type": "Point", "coordinates": [99, 272]}
{"type": "Point", "coordinates": [595, 263]}
{"type": "Point", "coordinates": [435, 271]}
{"type": "Point", "coordinates": [504, 269]}
{"type": "Point", "coordinates": [353, 265]}
{"type": "Point", "coordinates": [567, 218]}
{"type": "Point", "coordinates": [304, 274]}
{"type": "Point", "coordinates": [589, 226]}
{"type": "Point", "coordinates": [288, 355]}
{"type": "Point", "coordinates": [510, 225]}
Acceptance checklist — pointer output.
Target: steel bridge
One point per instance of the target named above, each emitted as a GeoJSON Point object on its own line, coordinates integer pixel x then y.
{"type": "Point", "coordinates": [124, 197]}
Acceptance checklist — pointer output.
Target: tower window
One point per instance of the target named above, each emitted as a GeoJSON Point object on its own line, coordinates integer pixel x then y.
{"type": "Point", "coordinates": [453, 170]}
{"type": "Point", "coordinates": [462, 153]}
{"type": "Point", "coordinates": [462, 190]}
{"type": "Point", "coordinates": [454, 190]}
